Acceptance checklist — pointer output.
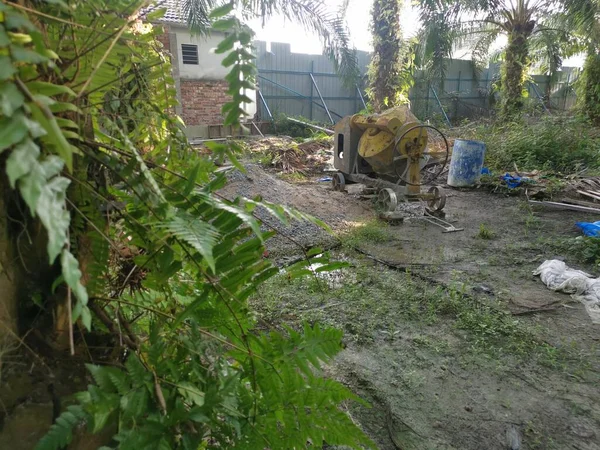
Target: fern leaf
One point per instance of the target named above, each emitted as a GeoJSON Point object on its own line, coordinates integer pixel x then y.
{"type": "Point", "coordinates": [137, 371]}
{"type": "Point", "coordinates": [61, 432]}
{"type": "Point", "coordinates": [200, 235]}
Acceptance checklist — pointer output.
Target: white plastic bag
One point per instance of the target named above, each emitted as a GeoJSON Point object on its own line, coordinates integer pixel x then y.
{"type": "Point", "coordinates": [582, 286]}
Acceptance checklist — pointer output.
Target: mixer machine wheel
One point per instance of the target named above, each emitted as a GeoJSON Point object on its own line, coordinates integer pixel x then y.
{"type": "Point", "coordinates": [421, 153]}
{"type": "Point", "coordinates": [338, 182]}
{"type": "Point", "coordinates": [438, 201]}
{"type": "Point", "coordinates": [387, 200]}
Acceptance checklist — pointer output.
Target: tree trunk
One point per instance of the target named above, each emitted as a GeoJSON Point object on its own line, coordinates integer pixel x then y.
{"type": "Point", "coordinates": [591, 95]}
{"type": "Point", "coordinates": [386, 63]}
{"type": "Point", "coordinates": [9, 276]}
{"type": "Point", "coordinates": [514, 70]}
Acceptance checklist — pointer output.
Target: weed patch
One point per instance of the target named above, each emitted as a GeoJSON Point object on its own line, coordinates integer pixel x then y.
{"type": "Point", "coordinates": [373, 232]}
{"type": "Point", "coordinates": [485, 232]}
{"type": "Point", "coordinates": [378, 302]}
{"type": "Point", "coordinates": [562, 145]}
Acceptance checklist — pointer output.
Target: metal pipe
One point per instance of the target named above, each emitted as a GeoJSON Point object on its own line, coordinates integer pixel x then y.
{"type": "Point", "coordinates": [321, 97]}
{"type": "Point", "coordinates": [537, 94]}
{"type": "Point", "coordinates": [326, 130]}
{"type": "Point", "coordinates": [440, 104]}
{"type": "Point", "coordinates": [288, 97]}
{"type": "Point", "coordinates": [361, 96]}
{"type": "Point", "coordinates": [264, 102]}
{"type": "Point", "coordinates": [298, 72]}
{"type": "Point", "coordinates": [258, 129]}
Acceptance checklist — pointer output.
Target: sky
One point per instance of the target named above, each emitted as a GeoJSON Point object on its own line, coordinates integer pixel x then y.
{"type": "Point", "coordinates": [358, 17]}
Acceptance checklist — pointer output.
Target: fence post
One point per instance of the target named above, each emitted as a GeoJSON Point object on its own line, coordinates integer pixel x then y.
{"type": "Point", "coordinates": [486, 100]}
{"type": "Point", "coordinates": [457, 96]}
{"type": "Point", "coordinates": [567, 87]}
{"type": "Point", "coordinates": [312, 69]}
{"type": "Point", "coordinates": [427, 100]}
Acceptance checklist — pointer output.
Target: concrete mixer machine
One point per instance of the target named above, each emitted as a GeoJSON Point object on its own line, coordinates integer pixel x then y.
{"type": "Point", "coordinates": [394, 155]}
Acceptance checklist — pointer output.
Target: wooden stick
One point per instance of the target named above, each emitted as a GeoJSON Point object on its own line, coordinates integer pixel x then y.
{"type": "Point", "coordinates": [581, 202]}
{"type": "Point", "coordinates": [557, 205]}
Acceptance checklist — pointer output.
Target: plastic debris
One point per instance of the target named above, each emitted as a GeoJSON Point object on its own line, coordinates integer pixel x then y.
{"type": "Point", "coordinates": [591, 229]}
{"type": "Point", "coordinates": [325, 179]}
{"type": "Point", "coordinates": [513, 438]}
{"type": "Point", "coordinates": [485, 171]}
{"type": "Point", "coordinates": [582, 286]}
{"type": "Point", "coordinates": [513, 181]}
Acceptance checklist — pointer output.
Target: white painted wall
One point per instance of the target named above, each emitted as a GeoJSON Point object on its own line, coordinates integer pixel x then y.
{"type": "Point", "coordinates": [209, 63]}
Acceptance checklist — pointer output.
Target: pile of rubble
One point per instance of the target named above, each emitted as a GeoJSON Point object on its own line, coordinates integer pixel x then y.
{"type": "Point", "coordinates": [288, 156]}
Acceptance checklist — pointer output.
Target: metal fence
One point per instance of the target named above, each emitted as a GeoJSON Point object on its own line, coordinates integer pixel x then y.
{"type": "Point", "coordinates": [304, 85]}
{"type": "Point", "coordinates": [462, 94]}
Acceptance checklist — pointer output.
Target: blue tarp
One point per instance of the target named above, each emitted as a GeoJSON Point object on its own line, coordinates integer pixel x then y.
{"type": "Point", "coordinates": [589, 229]}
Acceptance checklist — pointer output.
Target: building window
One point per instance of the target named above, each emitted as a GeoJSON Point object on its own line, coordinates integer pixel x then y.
{"type": "Point", "coordinates": [190, 53]}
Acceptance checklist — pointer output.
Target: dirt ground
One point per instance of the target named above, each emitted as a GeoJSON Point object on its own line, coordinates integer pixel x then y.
{"type": "Point", "coordinates": [448, 336]}
{"type": "Point", "coordinates": [460, 347]}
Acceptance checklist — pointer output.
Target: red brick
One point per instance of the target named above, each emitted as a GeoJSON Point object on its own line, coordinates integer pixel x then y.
{"type": "Point", "coordinates": [202, 101]}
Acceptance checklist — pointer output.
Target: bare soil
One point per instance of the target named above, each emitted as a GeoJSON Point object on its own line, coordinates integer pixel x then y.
{"type": "Point", "coordinates": [444, 381]}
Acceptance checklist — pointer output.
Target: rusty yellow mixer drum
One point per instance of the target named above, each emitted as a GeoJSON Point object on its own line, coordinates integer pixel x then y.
{"type": "Point", "coordinates": [392, 152]}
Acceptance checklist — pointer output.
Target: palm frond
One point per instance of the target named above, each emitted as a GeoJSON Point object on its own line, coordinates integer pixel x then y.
{"type": "Point", "coordinates": [436, 40]}
{"type": "Point", "coordinates": [196, 13]}
{"type": "Point", "coordinates": [480, 54]}
{"type": "Point", "coordinates": [546, 50]}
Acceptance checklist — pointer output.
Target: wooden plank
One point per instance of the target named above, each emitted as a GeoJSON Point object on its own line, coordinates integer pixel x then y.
{"type": "Point", "coordinates": [556, 205]}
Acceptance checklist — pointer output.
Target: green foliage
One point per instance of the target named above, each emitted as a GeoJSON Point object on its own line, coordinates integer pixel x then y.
{"type": "Point", "coordinates": [86, 127]}
{"type": "Point", "coordinates": [563, 145]}
{"type": "Point", "coordinates": [586, 249]}
{"type": "Point", "coordinates": [61, 432]}
{"type": "Point", "coordinates": [485, 232]}
{"type": "Point", "coordinates": [589, 92]}
{"type": "Point", "coordinates": [27, 122]}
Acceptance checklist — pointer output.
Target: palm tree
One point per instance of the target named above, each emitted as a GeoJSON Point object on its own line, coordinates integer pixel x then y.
{"type": "Point", "coordinates": [315, 15]}
{"type": "Point", "coordinates": [478, 23]}
{"type": "Point", "coordinates": [583, 16]}
{"type": "Point", "coordinates": [389, 71]}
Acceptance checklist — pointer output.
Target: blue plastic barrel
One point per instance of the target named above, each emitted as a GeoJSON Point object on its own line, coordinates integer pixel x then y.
{"type": "Point", "coordinates": [466, 163]}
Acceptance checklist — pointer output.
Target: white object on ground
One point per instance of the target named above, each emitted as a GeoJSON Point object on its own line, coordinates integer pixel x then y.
{"type": "Point", "coordinates": [582, 286]}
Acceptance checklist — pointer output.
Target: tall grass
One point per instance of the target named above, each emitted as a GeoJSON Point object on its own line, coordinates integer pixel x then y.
{"type": "Point", "coordinates": [562, 145]}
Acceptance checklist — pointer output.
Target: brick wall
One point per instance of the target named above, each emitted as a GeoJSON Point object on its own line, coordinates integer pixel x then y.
{"type": "Point", "coordinates": [202, 101]}
{"type": "Point", "coordinates": [164, 39]}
